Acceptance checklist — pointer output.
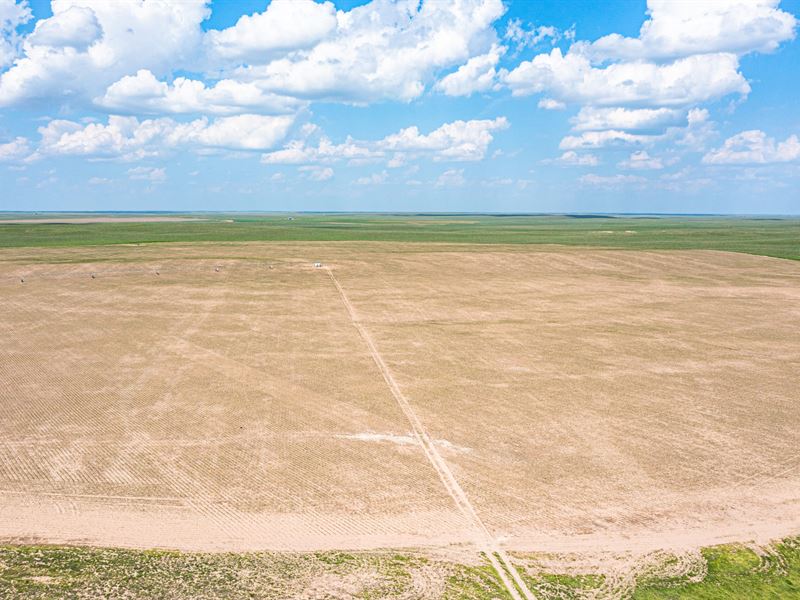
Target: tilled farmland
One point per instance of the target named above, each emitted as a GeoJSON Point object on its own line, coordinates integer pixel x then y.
{"type": "Point", "coordinates": [357, 396]}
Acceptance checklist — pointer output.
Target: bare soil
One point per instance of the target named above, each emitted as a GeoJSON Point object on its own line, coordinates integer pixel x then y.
{"type": "Point", "coordinates": [218, 397]}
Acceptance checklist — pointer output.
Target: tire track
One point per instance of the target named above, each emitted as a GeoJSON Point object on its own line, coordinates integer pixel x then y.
{"type": "Point", "coordinates": [484, 539]}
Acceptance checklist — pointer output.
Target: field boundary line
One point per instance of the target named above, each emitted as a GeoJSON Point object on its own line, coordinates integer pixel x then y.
{"type": "Point", "coordinates": [484, 538]}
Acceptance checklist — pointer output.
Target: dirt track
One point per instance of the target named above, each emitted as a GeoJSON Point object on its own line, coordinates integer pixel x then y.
{"type": "Point", "coordinates": [484, 540]}
{"type": "Point", "coordinates": [581, 399]}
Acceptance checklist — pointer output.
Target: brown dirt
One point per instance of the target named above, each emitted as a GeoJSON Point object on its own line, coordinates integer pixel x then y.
{"type": "Point", "coordinates": [582, 399]}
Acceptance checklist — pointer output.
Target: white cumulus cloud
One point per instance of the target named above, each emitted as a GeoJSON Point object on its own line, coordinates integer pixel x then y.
{"type": "Point", "coordinates": [591, 118]}
{"type": "Point", "coordinates": [573, 78]}
{"type": "Point", "coordinates": [12, 15]}
{"type": "Point", "coordinates": [755, 147]}
{"type": "Point", "coordinates": [382, 50]}
{"type": "Point", "coordinates": [285, 25]}
{"type": "Point", "coordinates": [600, 139]}
{"type": "Point", "coordinates": [123, 56]}
{"type": "Point", "coordinates": [315, 173]}
{"type": "Point", "coordinates": [686, 54]}
{"type": "Point", "coordinates": [300, 152]}
{"type": "Point", "coordinates": [456, 141]}
{"type": "Point", "coordinates": [572, 158]}
{"type": "Point", "coordinates": [451, 178]}
{"type": "Point", "coordinates": [151, 174]}
{"type": "Point", "coordinates": [144, 93]}
{"type": "Point", "coordinates": [478, 74]}
{"type": "Point", "coordinates": [529, 37]}
{"type": "Point", "coordinates": [700, 27]}
{"type": "Point", "coordinates": [374, 179]}
{"type": "Point", "coordinates": [88, 44]}
{"type": "Point", "coordinates": [610, 181]}
{"type": "Point", "coordinates": [550, 104]}
{"type": "Point", "coordinates": [16, 149]}
{"type": "Point", "coordinates": [641, 160]}
{"type": "Point", "coordinates": [459, 140]}
{"type": "Point", "coordinates": [242, 132]}
{"type": "Point", "coordinates": [76, 27]}
{"type": "Point", "coordinates": [129, 138]}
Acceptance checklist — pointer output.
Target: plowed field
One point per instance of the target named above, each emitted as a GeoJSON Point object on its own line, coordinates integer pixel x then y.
{"type": "Point", "coordinates": [232, 397]}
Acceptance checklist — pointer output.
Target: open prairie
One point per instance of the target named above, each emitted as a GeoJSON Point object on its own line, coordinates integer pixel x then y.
{"type": "Point", "coordinates": [541, 399]}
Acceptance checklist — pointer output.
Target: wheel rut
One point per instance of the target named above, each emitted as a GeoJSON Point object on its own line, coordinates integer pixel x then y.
{"type": "Point", "coordinates": [499, 559]}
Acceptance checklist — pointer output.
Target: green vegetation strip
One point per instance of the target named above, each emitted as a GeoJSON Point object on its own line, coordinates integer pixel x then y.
{"type": "Point", "coordinates": [71, 572]}
{"type": "Point", "coordinates": [765, 236]}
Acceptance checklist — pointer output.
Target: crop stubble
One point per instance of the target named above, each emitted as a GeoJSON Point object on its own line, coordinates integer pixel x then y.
{"type": "Point", "coordinates": [582, 398]}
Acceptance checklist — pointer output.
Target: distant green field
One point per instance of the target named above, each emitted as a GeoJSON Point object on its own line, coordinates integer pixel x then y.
{"type": "Point", "coordinates": [778, 237]}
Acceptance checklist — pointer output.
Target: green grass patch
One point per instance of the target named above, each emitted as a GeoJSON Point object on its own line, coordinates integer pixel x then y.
{"type": "Point", "coordinates": [56, 572]}
{"type": "Point", "coordinates": [733, 572]}
{"type": "Point", "coordinates": [729, 572]}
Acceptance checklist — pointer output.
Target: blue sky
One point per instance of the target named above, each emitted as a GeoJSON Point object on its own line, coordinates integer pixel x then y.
{"type": "Point", "coordinates": [407, 105]}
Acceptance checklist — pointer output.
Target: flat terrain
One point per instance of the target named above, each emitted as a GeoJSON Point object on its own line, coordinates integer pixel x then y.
{"type": "Point", "coordinates": [580, 419]}
{"type": "Point", "coordinates": [217, 405]}
{"type": "Point", "coordinates": [769, 236]}
{"type": "Point", "coordinates": [589, 403]}
{"type": "Point", "coordinates": [45, 220]}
